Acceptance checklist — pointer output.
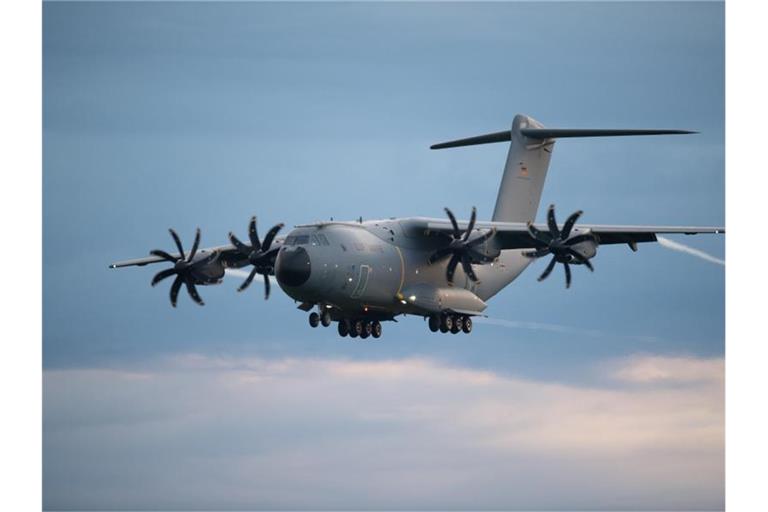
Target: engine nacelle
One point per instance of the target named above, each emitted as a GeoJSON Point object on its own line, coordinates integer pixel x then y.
{"type": "Point", "coordinates": [587, 248]}
{"type": "Point", "coordinates": [211, 273]}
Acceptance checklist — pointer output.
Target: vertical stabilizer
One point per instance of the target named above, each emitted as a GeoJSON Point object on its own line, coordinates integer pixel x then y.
{"type": "Point", "coordinates": [524, 173]}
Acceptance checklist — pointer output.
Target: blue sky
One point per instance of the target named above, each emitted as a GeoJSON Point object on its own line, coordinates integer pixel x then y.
{"type": "Point", "coordinates": [199, 114]}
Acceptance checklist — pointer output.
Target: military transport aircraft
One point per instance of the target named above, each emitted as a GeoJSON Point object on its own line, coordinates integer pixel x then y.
{"type": "Point", "coordinates": [362, 273]}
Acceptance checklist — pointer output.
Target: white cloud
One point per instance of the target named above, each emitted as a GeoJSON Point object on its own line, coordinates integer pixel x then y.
{"type": "Point", "coordinates": [201, 432]}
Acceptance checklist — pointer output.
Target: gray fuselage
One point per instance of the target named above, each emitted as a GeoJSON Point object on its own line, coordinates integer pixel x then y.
{"type": "Point", "coordinates": [380, 267]}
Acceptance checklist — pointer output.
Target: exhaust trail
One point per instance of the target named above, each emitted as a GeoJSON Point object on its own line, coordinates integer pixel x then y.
{"type": "Point", "coordinates": [677, 246]}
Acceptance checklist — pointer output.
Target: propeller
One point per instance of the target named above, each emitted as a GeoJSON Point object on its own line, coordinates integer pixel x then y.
{"type": "Point", "coordinates": [184, 268]}
{"type": "Point", "coordinates": [260, 254]}
{"type": "Point", "coordinates": [557, 243]}
{"type": "Point", "coordinates": [462, 249]}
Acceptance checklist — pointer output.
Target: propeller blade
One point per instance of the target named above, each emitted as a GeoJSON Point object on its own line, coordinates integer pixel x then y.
{"type": "Point", "coordinates": [248, 280]}
{"type": "Point", "coordinates": [163, 254]}
{"type": "Point", "coordinates": [482, 238]}
{"type": "Point", "coordinates": [266, 286]}
{"type": "Point", "coordinates": [162, 275]}
{"type": "Point", "coordinates": [538, 253]}
{"type": "Point", "coordinates": [175, 287]}
{"type": "Point", "coordinates": [471, 226]}
{"type": "Point", "coordinates": [569, 222]}
{"type": "Point", "coordinates": [177, 241]}
{"type": "Point", "coordinates": [195, 245]}
{"type": "Point", "coordinates": [567, 275]}
{"type": "Point", "coordinates": [452, 268]}
{"type": "Point", "coordinates": [253, 234]}
{"type": "Point", "coordinates": [241, 247]}
{"type": "Point", "coordinates": [548, 270]}
{"type": "Point", "coordinates": [193, 292]}
{"type": "Point", "coordinates": [538, 235]}
{"type": "Point", "coordinates": [456, 231]}
{"type": "Point", "coordinates": [552, 222]}
{"type": "Point", "coordinates": [440, 254]}
{"type": "Point", "coordinates": [581, 238]}
{"type": "Point", "coordinates": [467, 266]}
{"type": "Point", "coordinates": [270, 237]}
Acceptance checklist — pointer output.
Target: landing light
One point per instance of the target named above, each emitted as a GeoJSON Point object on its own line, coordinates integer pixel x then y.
{"type": "Point", "coordinates": [404, 302]}
{"type": "Point", "coordinates": [412, 298]}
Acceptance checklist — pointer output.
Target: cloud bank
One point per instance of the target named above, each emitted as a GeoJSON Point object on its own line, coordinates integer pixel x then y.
{"type": "Point", "coordinates": [198, 432]}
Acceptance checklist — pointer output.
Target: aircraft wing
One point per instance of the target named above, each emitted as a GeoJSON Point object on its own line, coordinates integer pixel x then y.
{"type": "Point", "coordinates": [228, 255]}
{"type": "Point", "coordinates": [515, 235]}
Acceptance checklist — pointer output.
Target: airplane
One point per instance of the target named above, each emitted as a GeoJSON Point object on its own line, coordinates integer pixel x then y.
{"type": "Point", "coordinates": [360, 274]}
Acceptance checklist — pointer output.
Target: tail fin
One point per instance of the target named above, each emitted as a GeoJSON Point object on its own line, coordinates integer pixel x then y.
{"type": "Point", "coordinates": [528, 160]}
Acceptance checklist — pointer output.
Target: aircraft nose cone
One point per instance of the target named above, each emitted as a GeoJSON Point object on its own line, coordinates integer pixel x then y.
{"type": "Point", "coordinates": [293, 267]}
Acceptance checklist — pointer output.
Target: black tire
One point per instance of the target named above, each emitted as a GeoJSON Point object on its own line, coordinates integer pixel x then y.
{"type": "Point", "coordinates": [456, 327]}
{"type": "Point", "coordinates": [446, 324]}
{"type": "Point", "coordinates": [343, 328]}
{"type": "Point", "coordinates": [458, 323]}
{"type": "Point", "coordinates": [358, 328]}
{"type": "Point", "coordinates": [367, 328]}
{"type": "Point", "coordinates": [434, 323]}
{"type": "Point", "coordinates": [325, 318]}
{"type": "Point", "coordinates": [376, 329]}
{"type": "Point", "coordinates": [314, 319]}
{"type": "Point", "coordinates": [467, 327]}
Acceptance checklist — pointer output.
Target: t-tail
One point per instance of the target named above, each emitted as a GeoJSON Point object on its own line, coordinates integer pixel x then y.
{"type": "Point", "coordinates": [530, 149]}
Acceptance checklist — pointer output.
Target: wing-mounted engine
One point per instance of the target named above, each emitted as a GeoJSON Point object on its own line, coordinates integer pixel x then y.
{"type": "Point", "coordinates": [196, 268]}
{"type": "Point", "coordinates": [261, 255]}
{"type": "Point", "coordinates": [466, 248]}
{"type": "Point", "coordinates": [567, 246]}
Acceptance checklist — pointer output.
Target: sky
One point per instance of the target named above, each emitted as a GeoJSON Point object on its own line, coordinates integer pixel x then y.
{"type": "Point", "coordinates": [184, 115]}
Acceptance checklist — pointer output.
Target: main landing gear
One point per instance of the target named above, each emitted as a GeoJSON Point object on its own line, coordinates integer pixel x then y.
{"type": "Point", "coordinates": [359, 328]}
{"type": "Point", "coordinates": [352, 328]}
{"type": "Point", "coordinates": [453, 323]}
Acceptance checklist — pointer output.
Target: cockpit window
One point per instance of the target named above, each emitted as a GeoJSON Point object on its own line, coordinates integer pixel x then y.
{"type": "Point", "coordinates": [297, 240]}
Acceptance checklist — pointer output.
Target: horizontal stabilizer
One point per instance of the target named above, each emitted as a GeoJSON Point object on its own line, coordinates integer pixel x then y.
{"type": "Point", "coordinates": [552, 133]}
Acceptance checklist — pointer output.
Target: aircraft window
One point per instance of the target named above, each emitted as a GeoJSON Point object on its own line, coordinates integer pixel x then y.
{"type": "Point", "coordinates": [302, 239]}
{"type": "Point", "coordinates": [322, 239]}
{"type": "Point", "coordinates": [290, 240]}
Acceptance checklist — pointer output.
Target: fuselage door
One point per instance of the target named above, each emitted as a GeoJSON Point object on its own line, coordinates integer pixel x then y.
{"type": "Point", "coordinates": [362, 281]}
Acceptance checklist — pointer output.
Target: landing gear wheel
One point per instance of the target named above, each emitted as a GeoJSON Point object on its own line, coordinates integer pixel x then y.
{"type": "Point", "coordinates": [343, 328]}
{"type": "Point", "coordinates": [367, 330]}
{"type": "Point", "coordinates": [314, 319]}
{"type": "Point", "coordinates": [467, 327]}
{"type": "Point", "coordinates": [376, 329]}
{"type": "Point", "coordinates": [434, 323]}
{"type": "Point", "coordinates": [357, 328]}
{"type": "Point", "coordinates": [325, 318]}
{"type": "Point", "coordinates": [446, 324]}
{"type": "Point", "coordinates": [457, 325]}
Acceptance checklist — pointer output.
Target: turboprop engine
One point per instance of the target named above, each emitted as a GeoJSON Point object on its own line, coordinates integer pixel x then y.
{"type": "Point", "coordinates": [564, 248]}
